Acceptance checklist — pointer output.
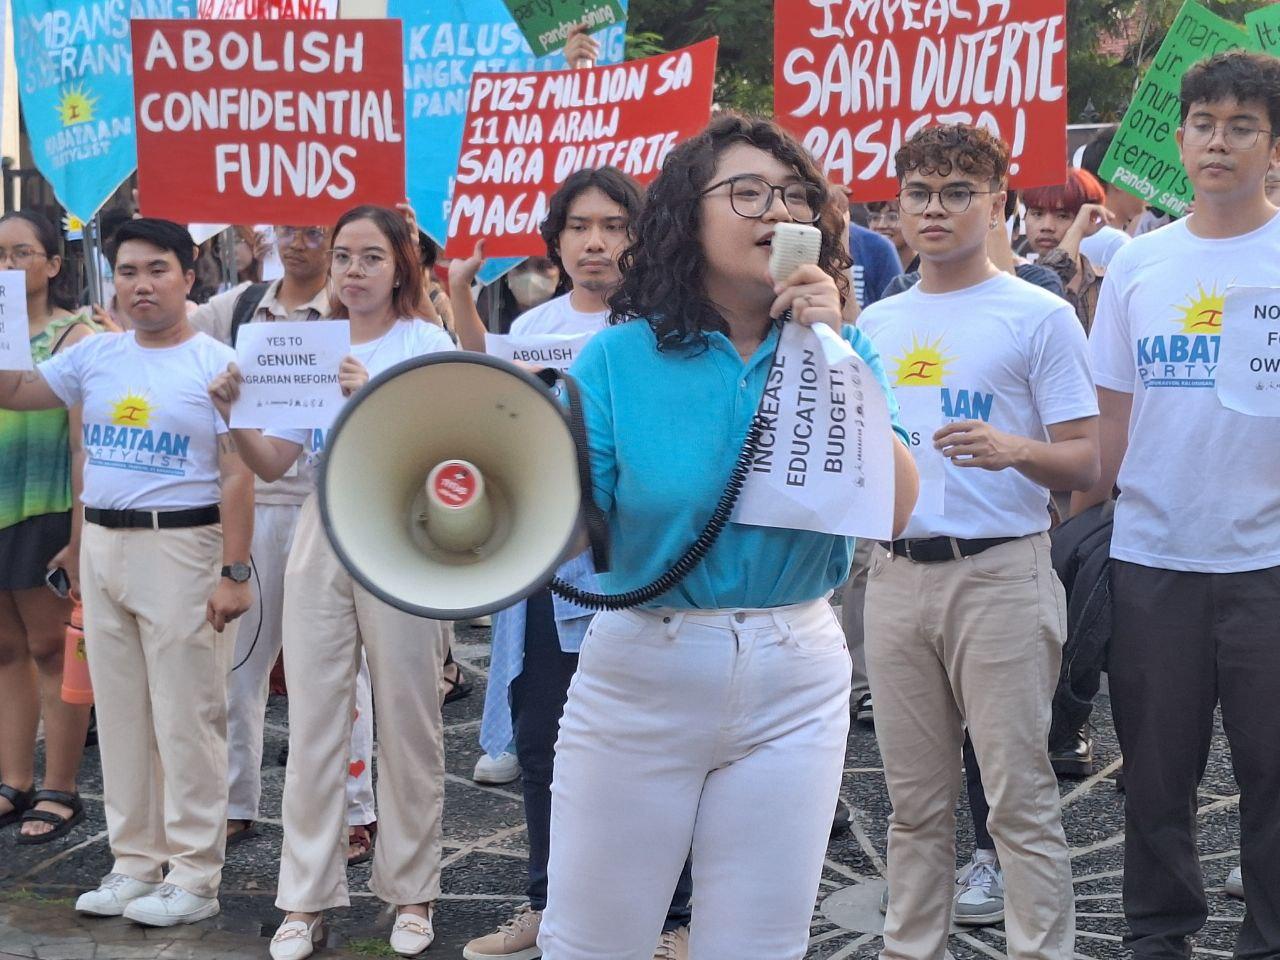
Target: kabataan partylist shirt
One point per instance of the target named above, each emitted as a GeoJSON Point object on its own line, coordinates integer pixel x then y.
{"type": "Point", "coordinates": [150, 429]}
{"type": "Point", "coordinates": [1002, 351]}
{"type": "Point", "coordinates": [404, 340]}
{"type": "Point", "coordinates": [665, 428]}
{"type": "Point", "coordinates": [1199, 484]}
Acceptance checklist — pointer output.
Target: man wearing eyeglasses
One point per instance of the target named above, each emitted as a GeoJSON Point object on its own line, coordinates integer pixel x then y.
{"type": "Point", "coordinates": [964, 615]}
{"type": "Point", "coordinates": [1196, 545]}
{"type": "Point", "coordinates": [300, 295]}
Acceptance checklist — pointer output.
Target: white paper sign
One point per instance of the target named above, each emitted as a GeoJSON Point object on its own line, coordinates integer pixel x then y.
{"type": "Point", "coordinates": [15, 336]}
{"type": "Point", "coordinates": [1248, 375]}
{"type": "Point", "coordinates": [825, 460]}
{"type": "Point", "coordinates": [290, 373]}
{"type": "Point", "coordinates": [920, 411]}
{"type": "Point", "coordinates": [557, 350]}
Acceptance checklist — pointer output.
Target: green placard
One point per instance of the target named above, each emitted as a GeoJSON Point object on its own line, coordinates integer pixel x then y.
{"type": "Point", "coordinates": [1264, 27]}
{"type": "Point", "coordinates": [1143, 158]}
{"type": "Point", "coordinates": [546, 23]}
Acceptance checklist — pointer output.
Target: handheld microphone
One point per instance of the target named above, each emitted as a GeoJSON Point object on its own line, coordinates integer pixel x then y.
{"type": "Point", "coordinates": [793, 245]}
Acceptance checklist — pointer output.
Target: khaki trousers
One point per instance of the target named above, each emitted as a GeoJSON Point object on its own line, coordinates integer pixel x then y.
{"type": "Point", "coordinates": [160, 684]}
{"type": "Point", "coordinates": [328, 620]}
{"type": "Point", "coordinates": [975, 642]}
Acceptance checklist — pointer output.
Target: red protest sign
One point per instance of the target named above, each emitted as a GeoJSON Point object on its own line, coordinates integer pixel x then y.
{"type": "Point", "coordinates": [267, 9]}
{"type": "Point", "coordinates": [527, 132]}
{"type": "Point", "coordinates": [855, 79]}
{"type": "Point", "coordinates": [283, 121]}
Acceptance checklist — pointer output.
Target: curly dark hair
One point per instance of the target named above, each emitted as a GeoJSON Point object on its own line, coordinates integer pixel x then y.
{"type": "Point", "coordinates": [662, 271]}
{"type": "Point", "coordinates": [1246, 77]}
{"type": "Point", "coordinates": [954, 146]}
{"type": "Point", "coordinates": [610, 181]}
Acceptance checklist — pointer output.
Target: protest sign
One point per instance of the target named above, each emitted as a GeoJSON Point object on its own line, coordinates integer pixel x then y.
{"type": "Point", "coordinates": [1143, 158]}
{"type": "Point", "coordinates": [556, 350]}
{"type": "Point", "coordinates": [15, 338]}
{"type": "Point", "coordinates": [825, 458]}
{"type": "Point", "coordinates": [855, 79]}
{"type": "Point", "coordinates": [268, 9]}
{"type": "Point", "coordinates": [546, 23]}
{"type": "Point", "coordinates": [920, 413]}
{"type": "Point", "coordinates": [73, 61]}
{"type": "Point", "coordinates": [445, 42]}
{"type": "Point", "coordinates": [1248, 374]}
{"type": "Point", "coordinates": [290, 372]}
{"type": "Point", "coordinates": [527, 132]}
{"type": "Point", "coordinates": [1264, 25]}
{"type": "Point", "coordinates": [268, 121]}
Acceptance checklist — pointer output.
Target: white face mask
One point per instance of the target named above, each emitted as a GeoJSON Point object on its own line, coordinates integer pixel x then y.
{"type": "Point", "coordinates": [531, 288]}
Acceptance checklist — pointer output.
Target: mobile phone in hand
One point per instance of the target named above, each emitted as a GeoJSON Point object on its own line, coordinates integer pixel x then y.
{"type": "Point", "coordinates": [58, 581]}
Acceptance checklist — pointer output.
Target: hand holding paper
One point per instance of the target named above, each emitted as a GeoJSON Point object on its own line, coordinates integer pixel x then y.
{"type": "Point", "coordinates": [973, 443]}
{"type": "Point", "coordinates": [294, 374]}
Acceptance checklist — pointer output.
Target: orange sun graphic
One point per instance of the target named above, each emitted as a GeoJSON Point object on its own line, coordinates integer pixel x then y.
{"type": "Point", "coordinates": [923, 365]}
{"type": "Point", "coordinates": [1202, 313]}
{"type": "Point", "coordinates": [131, 410]}
{"type": "Point", "coordinates": [76, 106]}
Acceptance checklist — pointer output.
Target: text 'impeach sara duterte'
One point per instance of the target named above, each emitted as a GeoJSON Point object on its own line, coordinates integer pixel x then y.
{"type": "Point", "coordinates": [268, 122]}
{"type": "Point", "coordinates": [856, 78]}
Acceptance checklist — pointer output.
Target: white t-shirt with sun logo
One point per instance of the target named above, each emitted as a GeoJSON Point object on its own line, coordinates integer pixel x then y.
{"type": "Point", "coordinates": [150, 430]}
{"type": "Point", "coordinates": [1200, 484]}
{"type": "Point", "coordinates": [1003, 351]}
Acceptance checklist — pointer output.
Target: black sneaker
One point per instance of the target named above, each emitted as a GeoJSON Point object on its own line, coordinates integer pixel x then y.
{"type": "Point", "coordinates": [863, 711]}
{"type": "Point", "coordinates": [844, 817]}
{"type": "Point", "coordinates": [1075, 757]}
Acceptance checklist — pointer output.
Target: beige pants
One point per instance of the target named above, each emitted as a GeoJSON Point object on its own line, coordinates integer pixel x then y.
{"type": "Point", "coordinates": [328, 618]}
{"type": "Point", "coordinates": [975, 642]}
{"type": "Point", "coordinates": [160, 684]}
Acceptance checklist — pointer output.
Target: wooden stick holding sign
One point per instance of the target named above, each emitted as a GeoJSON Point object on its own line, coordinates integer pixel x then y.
{"type": "Point", "coordinates": [15, 337]}
{"type": "Point", "coordinates": [527, 132]}
{"type": "Point", "coordinates": [825, 459]}
{"type": "Point", "coordinates": [268, 121]}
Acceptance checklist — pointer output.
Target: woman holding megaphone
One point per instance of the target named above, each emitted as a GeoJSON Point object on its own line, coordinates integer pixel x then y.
{"type": "Point", "coordinates": [328, 618]}
{"type": "Point", "coordinates": [717, 716]}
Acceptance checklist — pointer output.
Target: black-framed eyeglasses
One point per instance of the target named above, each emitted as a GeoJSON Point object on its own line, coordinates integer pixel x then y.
{"type": "Point", "coordinates": [1237, 134]}
{"type": "Point", "coordinates": [751, 197]}
{"type": "Point", "coordinates": [955, 198]}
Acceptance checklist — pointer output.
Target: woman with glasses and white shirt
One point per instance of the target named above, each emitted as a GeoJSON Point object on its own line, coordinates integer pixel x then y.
{"type": "Point", "coordinates": [328, 618]}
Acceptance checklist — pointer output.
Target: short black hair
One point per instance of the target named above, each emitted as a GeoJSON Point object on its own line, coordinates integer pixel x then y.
{"type": "Point", "coordinates": [610, 181]}
{"type": "Point", "coordinates": [1237, 74]}
{"type": "Point", "coordinates": [1095, 150]}
{"type": "Point", "coordinates": [165, 234]}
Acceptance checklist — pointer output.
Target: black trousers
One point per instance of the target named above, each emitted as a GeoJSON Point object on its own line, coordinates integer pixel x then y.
{"type": "Point", "coordinates": [537, 702]}
{"type": "Point", "coordinates": [1181, 644]}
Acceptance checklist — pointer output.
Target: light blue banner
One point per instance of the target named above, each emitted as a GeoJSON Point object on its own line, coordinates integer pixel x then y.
{"type": "Point", "coordinates": [75, 80]}
{"type": "Point", "coordinates": [445, 42]}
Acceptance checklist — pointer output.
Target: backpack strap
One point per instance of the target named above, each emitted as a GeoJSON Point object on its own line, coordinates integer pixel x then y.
{"type": "Point", "coordinates": [246, 306]}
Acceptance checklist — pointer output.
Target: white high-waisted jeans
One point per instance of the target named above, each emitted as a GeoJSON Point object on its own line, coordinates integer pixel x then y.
{"type": "Point", "coordinates": [720, 730]}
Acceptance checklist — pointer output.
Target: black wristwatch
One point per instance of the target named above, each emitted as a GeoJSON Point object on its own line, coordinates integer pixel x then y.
{"type": "Point", "coordinates": [237, 572]}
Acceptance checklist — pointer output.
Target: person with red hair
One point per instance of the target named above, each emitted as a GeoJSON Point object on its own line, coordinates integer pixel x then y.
{"type": "Point", "coordinates": [1058, 219]}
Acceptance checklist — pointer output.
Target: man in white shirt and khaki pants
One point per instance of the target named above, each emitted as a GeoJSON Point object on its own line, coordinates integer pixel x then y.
{"type": "Point", "coordinates": [164, 572]}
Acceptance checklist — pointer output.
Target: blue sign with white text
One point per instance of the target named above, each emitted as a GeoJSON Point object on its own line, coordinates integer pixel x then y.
{"type": "Point", "coordinates": [75, 80]}
{"type": "Point", "coordinates": [445, 42]}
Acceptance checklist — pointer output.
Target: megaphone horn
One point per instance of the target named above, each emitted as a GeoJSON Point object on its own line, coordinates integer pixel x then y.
{"type": "Point", "coordinates": [450, 486]}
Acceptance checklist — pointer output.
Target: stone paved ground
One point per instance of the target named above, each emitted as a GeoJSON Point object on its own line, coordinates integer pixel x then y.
{"type": "Point", "coordinates": [485, 864]}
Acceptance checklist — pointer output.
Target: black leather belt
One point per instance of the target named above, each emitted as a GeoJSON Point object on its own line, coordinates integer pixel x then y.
{"type": "Point", "coordinates": [939, 549]}
{"type": "Point", "coordinates": [153, 519]}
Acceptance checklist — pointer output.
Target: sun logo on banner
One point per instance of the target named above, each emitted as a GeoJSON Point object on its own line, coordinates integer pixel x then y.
{"type": "Point", "coordinates": [923, 365]}
{"type": "Point", "coordinates": [1202, 312]}
{"type": "Point", "coordinates": [76, 106]}
{"type": "Point", "coordinates": [132, 410]}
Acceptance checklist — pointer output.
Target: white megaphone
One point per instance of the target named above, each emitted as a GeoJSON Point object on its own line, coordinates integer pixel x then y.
{"type": "Point", "coordinates": [450, 486]}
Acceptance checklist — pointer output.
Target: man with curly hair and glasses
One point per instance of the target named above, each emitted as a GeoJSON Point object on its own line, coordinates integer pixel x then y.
{"type": "Point", "coordinates": [965, 618]}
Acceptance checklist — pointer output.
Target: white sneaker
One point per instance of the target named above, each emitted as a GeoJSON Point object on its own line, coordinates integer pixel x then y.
{"type": "Point", "coordinates": [169, 906]}
{"type": "Point", "coordinates": [979, 899]}
{"type": "Point", "coordinates": [412, 934]}
{"type": "Point", "coordinates": [113, 894]}
{"type": "Point", "coordinates": [503, 768]}
{"type": "Point", "coordinates": [1235, 884]}
{"type": "Point", "coordinates": [296, 939]}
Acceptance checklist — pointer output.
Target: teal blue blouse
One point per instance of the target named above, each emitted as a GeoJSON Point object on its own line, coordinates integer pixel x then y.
{"type": "Point", "coordinates": [665, 429]}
